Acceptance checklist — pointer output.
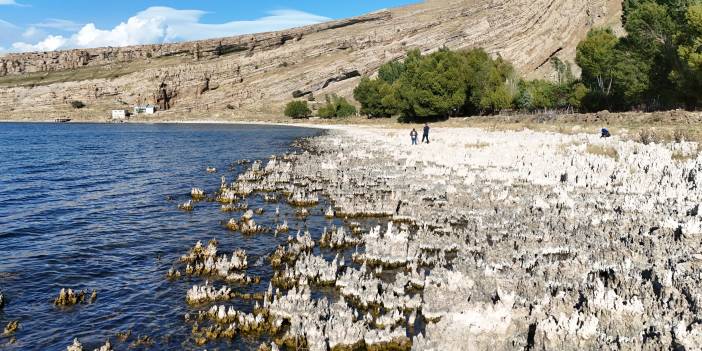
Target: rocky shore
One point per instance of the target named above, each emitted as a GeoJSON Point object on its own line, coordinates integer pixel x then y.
{"type": "Point", "coordinates": [505, 240]}
{"type": "Point", "coordinates": [480, 240]}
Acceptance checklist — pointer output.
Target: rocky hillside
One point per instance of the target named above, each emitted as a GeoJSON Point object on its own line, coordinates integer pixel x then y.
{"type": "Point", "coordinates": [252, 76]}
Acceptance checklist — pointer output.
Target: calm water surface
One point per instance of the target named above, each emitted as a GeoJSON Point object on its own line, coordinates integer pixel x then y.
{"type": "Point", "coordinates": [87, 206]}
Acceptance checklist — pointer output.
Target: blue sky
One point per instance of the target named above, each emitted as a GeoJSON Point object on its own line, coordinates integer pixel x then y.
{"type": "Point", "coordinates": [29, 25]}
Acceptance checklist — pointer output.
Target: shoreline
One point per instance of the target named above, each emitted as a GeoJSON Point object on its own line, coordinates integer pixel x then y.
{"type": "Point", "coordinates": [662, 126]}
{"type": "Point", "coordinates": [282, 124]}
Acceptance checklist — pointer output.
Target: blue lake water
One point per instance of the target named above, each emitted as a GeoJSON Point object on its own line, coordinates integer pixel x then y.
{"type": "Point", "coordinates": [94, 206]}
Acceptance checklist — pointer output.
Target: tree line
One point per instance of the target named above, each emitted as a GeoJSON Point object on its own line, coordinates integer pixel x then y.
{"type": "Point", "coordinates": [460, 83]}
{"type": "Point", "coordinates": [656, 66]}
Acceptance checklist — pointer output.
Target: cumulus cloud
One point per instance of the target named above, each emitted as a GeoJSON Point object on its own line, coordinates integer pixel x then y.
{"type": "Point", "coordinates": [165, 24]}
{"type": "Point", "coordinates": [52, 42]}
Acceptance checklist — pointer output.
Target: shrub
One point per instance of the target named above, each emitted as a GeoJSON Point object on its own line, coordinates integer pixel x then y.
{"type": "Point", "coordinates": [297, 109]}
{"type": "Point", "coordinates": [648, 136]}
{"type": "Point", "coordinates": [77, 104]}
{"type": "Point", "coordinates": [681, 135]}
{"type": "Point", "coordinates": [336, 107]}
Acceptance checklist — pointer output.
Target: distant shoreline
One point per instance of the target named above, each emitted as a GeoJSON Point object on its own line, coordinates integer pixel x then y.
{"type": "Point", "coordinates": [282, 124]}
{"type": "Point", "coordinates": [664, 126]}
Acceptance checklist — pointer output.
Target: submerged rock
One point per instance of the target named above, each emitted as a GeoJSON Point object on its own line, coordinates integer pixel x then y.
{"type": "Point", "coordinates": [186, 206]}
{"type": "Point", "coordinates": [197, 193]}
{"type": "Point", "coordinates": [69, 297]}
{"type": "Point", "coordinates": [11, 328]}
{"type": "Point", "coordinates": [76, 346]}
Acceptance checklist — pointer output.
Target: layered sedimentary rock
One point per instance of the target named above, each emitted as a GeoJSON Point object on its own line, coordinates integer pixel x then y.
{"type": "Point", "coordinates": [256, 74]}
{"type": "Point", "coordinates": [19, 63]}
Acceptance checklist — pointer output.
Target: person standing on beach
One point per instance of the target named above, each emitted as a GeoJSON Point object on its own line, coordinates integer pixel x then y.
{"type": "Point", "coordinates": [425, 135]}
{"type": "Point", "coordinates": [413, 135]}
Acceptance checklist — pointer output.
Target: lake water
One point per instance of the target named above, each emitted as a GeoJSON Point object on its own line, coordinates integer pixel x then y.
{"type": "Point", "coordinates": [94, 206]}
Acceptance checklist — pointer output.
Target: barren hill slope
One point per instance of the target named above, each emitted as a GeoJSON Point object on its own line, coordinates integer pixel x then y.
{"type": "Point", "coordinates": [254, 75]}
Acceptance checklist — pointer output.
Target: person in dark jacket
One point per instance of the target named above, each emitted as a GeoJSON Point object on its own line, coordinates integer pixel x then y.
{"type": "Point", "coordinates": [425, 135]}
{"type": "Point", "coordinates": [413, 135]}
{"type": "Point", "coordinates": [605, 133]}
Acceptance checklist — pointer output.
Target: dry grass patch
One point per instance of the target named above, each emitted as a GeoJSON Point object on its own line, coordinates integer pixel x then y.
{"type": "Point", "coordinates": [563, 148]}
{"type": "Point", "coordinates": [476, 145]}
{"type": "Point", "coordinates": [601, 150]}
{"type": "Point", "coordinates": [679, 156]}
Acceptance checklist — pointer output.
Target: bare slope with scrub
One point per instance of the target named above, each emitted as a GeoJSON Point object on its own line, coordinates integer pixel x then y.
{"type": "Point", "coordinates": [255, 75]}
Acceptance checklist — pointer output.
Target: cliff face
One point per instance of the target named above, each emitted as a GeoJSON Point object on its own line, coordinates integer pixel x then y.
{"type": "Point", "coordinates": [254, 75]}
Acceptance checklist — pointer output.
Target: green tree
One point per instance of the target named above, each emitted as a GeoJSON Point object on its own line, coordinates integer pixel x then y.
{"type": "Point", "coordinates": [391, 71]}
{"type": "Point", "coordinates": [376, 97]}
{"type": "Point", "coordinates": [433, 86]}
{"type": "Point", "coordinates": [631, 77]}
{"type": "Point", "coordinates": [688, 76]}
{"type": "Point", "coordinates": [487, 87]}
{"type": "Point", "coordinates": [596, 57]}
{"type": "Point", "coordinates": [297, 109]}
{"type": "Point", "coordinates": [650, 29]}
{"type": "Point", "coordinates": [497, 99]}
{"type": "Point", "coordinates": [578, 94]}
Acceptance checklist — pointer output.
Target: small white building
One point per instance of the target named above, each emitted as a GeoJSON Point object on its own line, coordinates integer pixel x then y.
{"type": "Point", "coordinates": [147, 109]}
{"type": "Point", "coordinates": [119, 114]}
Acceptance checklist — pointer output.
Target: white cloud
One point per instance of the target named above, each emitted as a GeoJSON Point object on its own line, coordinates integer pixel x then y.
{"type": "Point", "coordinates": [51, 43]}
{"type": "Point", "coordinates": [11, 2]}
{"type": "Point", "coordinates": [56, 23]}
{"type": "Point", "coordinates": [165, 24]}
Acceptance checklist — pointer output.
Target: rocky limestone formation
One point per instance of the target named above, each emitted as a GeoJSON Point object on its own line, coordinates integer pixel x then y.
{"type": "Point", "coordinates": [21, 63]}
{"type": "Point", "coordinates": [257, 74]}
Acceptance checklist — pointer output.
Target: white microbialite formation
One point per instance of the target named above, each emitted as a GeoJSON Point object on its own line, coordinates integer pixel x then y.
{"type": "Point", "coordinates": [207, 293]}
{"type": "Point", "coordinates": [516, 240]}
{"type": "Point", "coordinates": [478, 240]}
{"type": "Point", "coordinates": [204, 261]}
{"type": "Point", "coordinates": [77, 346]}
{"type": "Point", "coordinates": [197, 193]}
